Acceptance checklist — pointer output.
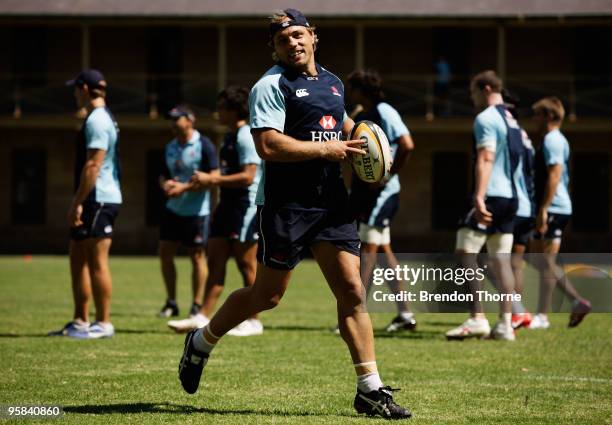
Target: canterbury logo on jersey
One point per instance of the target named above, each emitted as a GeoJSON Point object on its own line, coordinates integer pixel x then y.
{"type": "Point", "coordinates": [301, 92]}
{"type": "Point", "coordinates": [335, 91]}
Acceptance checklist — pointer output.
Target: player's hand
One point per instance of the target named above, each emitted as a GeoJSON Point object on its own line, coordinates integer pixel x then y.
{"type": "Point", "coordinates": [165, 184]}
{"type": "Point", "coordinates": [338, 150]}
{"type": "Point", "coordinates": [176, 189]}
{"type": "Point", "coordinates": [542, 221]}
{"type": "Point", "coordinates": [200, 179]}
{"type": "Point", "coordinates": [74, 215]}
{"type": "Point", "coordinates": [482, 215]}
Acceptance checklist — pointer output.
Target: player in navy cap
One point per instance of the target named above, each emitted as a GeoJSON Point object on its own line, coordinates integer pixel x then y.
{"type": "Point", "coordinates": [298, 121]}
{"type": "Point", "coordinates": [184, 220]}
{"type": "Point", "coordinates": [94, 208]}
{"type": "Point", "coordinates": [233, 228]}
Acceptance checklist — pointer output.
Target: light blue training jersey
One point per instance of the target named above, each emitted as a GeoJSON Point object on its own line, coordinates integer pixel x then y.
{"type": "Point", "coordinates": [491, 133]}
{"type": "Point", "coordinates": [182, 160]}
{"type": "Point", "coordinates": [556, 150]}
{"type": "Point", "coordinates": [101, 132]}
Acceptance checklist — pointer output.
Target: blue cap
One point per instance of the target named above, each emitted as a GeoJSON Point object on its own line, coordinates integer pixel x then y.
{"type": "Point", "coordinates": [296, 18]}
{"type": "Point", "coordinates": [92, 77]}
{"type": "Point", "coordinates": [180, 111]}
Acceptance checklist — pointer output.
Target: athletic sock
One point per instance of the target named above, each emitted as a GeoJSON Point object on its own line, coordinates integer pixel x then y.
{"type": "Point", "coordinates": [369, 382]}
{"type": "Point", "coordinates": [507, 319]}
{"type": "Point", "coordinates": [80, 322]}
{"type": "Point", "coordinates": [518, 308]}
{"type": "Point", "coordinates": [200, 343]}
{"type": "Point", "coordinates": [406, 315]}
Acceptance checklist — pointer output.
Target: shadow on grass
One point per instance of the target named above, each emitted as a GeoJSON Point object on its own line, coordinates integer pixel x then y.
{"type": "Point", "coordinates": [409, 335]}
{"type": "Point", "coordinates": [127, 408]}
{"type": "Point", "coordinates": [144, 331]}
{"type": "Point", "coordinates": [299, 328]}
{"type": "Point", "coordinates": [9, 335]}
{"type": "Point", "coordinates": [449, 324]}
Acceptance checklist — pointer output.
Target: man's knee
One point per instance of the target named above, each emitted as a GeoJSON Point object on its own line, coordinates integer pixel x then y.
{"type": "Point", "coordinates": [265, 300]}
{"type": "Point", "coordinates": [352, 294]}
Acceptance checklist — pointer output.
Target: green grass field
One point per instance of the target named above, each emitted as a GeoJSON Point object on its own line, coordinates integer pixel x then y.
{"type": "Point", "coordinates": [297, 372]}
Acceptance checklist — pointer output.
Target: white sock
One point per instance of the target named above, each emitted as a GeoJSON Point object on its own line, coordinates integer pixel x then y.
{"type": "Point", "coordinates": [200, 343]}
{"type": "Point", "coordinates": [507, 318]}
{"type": "Point", "coordinates": [406, 315]}
{"type": "Point", "coordinates": [369, 382]}
{"type": "Point", "coordinates": [517, 307]}
{"type": "Point", "coordinates": [81, 322]}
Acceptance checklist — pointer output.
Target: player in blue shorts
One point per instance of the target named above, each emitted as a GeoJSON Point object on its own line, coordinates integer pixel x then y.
{"type": "Point", "coordinates": [94, 208]}
{"type": "Point", "coordinates": [298, 121]}
{"type": "Point", "coordinates": [184, 220]}
{"type": "Point", "coordinates": [554, 209]}
{"type": "Point", "coordinates": [377, 204]}
{"type": "Point", "coordinates": [490, 217]}
{"type": "Point", "coordinates": [233, 230]}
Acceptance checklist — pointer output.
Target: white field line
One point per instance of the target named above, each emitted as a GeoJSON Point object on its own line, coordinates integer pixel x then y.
{"type": "Point", "coordinates": [572, 379]}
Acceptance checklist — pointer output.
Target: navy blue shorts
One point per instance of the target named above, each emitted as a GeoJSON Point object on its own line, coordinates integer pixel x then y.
{"type": "Point", "coordinates": [383, 217]}
{"type": "Point", "coordinates": [191, 231]}
{"type": "Point", "coordinates": [98, 221]}
{"type": "Point", "coordinates": [503, 211]}
{"type": "Point", "coordinates": [235, 221]}
{"type": "Point", "coordinates": [556, 225]}
{"type": "Point", "coordinates": [285, 234]}
{"type": "Point", "coordinates": [523, 230]}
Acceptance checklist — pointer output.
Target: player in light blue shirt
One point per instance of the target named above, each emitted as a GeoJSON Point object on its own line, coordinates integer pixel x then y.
{"type": "Point", "coordinates": [94, 208]}
{"type": "Point", "coordinates": [554, 209]}
{"type": "Point", "coordinates": [185, 218]}
{"type": "Point", "coordinates": [233, 229]}
{"type": "Point", "coordinates": [498, 146]}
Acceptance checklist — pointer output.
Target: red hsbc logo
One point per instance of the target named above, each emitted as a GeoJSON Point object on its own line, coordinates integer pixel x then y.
{"type": "Point", "coordinates": [327, 122]}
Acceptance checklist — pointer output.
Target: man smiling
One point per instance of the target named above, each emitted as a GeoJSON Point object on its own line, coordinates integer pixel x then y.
{"type": "Point", "coordinates": [297, 121]}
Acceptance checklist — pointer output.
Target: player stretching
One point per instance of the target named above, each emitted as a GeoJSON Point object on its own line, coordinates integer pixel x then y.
{"type": "Point", "coordinates": [297, 120]}
{"type": "Point", "coordinates": [554, 210]}
{"type": "Point", "coordinates": [377, 204]}
{"type": "Point", "coordinates": [498, 146]}
{"type": "Point", "coordinates": [93, 210]}
{"type": "Point", "coordinates": [185, 218]}
{"type": "Point", "coordinates": [233, 229]}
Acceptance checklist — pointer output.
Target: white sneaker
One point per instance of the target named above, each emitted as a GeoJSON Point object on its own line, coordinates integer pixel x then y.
{"type": "Point", "coordinates": [502, 332]}
{"type": "Point", "coordinates": [249, 327]}
{"type": "Point", "coordinates": [97, 330]}
{"type": "Point", "coordinates": [471, 328]}
{"type": "Point", "coordinates": [256, 327]}
{"type": "Point", "coordinates": [72, 329]}
{"type": "Point", "coordinates": [539, 321]}
{"type": "Point", "coordinates": [192, 322]}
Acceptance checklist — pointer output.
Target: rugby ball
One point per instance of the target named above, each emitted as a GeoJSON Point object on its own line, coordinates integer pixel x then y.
{"type": "Point", "coordinates": [376, 163]}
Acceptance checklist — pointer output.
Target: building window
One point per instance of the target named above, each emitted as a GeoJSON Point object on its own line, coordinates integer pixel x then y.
{"type": "Point", "coordinates": [28, 186]}
{"type": "Point", "coordinates": [155, 197]}
{"type": "Point", "coordinates": [165, 67]}
{"type": "Point", "coordinates": [449, 189]}
{"type": "Point", "coordinates": [590, 192]}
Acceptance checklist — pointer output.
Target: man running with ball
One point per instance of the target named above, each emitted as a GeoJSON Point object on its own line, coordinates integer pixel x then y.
{"type": "Point", "coordinates": [298, 122]}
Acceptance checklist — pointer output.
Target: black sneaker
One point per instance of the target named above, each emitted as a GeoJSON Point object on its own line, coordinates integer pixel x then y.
{"type": "Point", "coordinates": [170, 309]}
{"type": "Point", "coordinates": [380, 403]}
{"type": "Point", "coordinates": [191, 365]}
{"type": "Point", "coordinates": [195, 309]}
{"type": "Point", "coordinates": [400, 323]}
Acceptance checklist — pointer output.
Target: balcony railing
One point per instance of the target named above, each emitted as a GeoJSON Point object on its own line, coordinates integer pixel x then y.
{"type": "Point", "coordinates": [412, 95]}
